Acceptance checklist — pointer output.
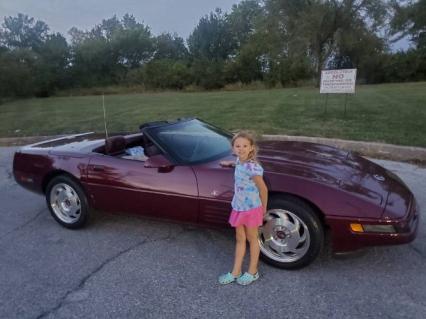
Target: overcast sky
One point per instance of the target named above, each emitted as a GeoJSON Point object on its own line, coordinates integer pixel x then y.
{"type": "Point", "coordinates": [180, 16]}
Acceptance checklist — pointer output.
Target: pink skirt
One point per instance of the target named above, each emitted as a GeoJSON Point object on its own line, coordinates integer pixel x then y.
{"type": "Point", "coordinates": [248, 218]}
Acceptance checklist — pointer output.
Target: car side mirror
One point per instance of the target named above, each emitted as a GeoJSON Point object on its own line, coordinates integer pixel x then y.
{"type": "Point", "coordinates": [160, 162]}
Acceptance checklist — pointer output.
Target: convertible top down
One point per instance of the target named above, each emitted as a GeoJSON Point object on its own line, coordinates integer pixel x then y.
{"type": "Point", "coordinates": [171, 170]}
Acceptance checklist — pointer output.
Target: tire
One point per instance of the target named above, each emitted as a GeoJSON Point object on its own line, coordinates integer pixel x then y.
{"type": "Point", "coordinates": [292, 235]}
{"type": "Point", "coordinates": [67, 202]}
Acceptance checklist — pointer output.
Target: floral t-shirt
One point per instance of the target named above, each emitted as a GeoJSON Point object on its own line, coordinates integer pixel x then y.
{"type": "Point", "coordinates": [246, 193]}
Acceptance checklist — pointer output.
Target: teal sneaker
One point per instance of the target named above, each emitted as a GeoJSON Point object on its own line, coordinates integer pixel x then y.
{"type": "Point", "coordinates": [227, 278]}
{"type": "Point", "coordinates": [247, 278]}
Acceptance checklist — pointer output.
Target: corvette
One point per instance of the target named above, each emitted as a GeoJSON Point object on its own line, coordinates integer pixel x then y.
{"type": "Point", "coordinates": [171, 170]}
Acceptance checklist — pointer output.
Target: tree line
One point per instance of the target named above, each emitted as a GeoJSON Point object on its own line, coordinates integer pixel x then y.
{"type": "Point", "coordinates": [276, 42]}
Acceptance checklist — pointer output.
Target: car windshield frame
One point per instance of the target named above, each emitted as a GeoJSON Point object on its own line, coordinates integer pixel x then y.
{"type": "Point", "coordinates": [153, 133]}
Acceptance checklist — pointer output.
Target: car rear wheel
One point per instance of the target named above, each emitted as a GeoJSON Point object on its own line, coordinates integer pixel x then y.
{"type": "Point", "coordinates": [67, 202]}
{"type": "Point", "coordinates": [292, 235]}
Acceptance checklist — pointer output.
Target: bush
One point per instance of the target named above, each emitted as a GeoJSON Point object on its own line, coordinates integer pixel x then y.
{"type": "Point", "coordinates": [166, 74]}
{"type": "Point", "coordinates": [17, 74]}
{"type": "Point", "coordinates": [405, 66]}
{"type": "Point", "coordinates": [208, 73]}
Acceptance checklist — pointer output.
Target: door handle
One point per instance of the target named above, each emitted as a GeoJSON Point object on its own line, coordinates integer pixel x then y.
{"type": "Point", "coordinates": [97, 168]}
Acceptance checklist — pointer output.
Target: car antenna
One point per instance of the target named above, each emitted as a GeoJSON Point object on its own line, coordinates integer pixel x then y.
{"type": "Point", "coordinates": [103, 106]}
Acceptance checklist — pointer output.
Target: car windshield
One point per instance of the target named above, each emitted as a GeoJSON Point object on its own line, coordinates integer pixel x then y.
{"type": "Point", "coordinates": [192, 142]}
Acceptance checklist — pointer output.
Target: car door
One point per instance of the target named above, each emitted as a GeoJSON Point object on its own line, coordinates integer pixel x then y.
{"type": "Point", "coordinates": [117, 184]}
{"type": "Point", "coordinates": [216, 189]}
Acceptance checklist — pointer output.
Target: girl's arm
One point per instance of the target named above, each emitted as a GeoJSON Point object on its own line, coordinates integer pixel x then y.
{"type": "Point", "coordinates": [263, 191]}
{"type": "Point", "coordinates": [227, 163]}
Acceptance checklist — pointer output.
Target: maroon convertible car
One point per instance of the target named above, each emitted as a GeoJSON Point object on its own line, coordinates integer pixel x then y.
{"type": "Point", "coordinates": [171, 170]}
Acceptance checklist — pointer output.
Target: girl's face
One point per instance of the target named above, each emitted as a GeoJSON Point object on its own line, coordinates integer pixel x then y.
{"type": "Point", "coordinates": [242, 148]}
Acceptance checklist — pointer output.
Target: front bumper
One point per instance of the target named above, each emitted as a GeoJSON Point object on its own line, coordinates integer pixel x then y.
{"type": "Point", "coordinates": [344, 239]}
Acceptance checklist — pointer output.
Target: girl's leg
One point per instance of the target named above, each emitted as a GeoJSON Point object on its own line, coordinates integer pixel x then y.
{"type": "Point", "coordinates": [240, 250]}
{"type": "Point", "coordinates": [252, 237]}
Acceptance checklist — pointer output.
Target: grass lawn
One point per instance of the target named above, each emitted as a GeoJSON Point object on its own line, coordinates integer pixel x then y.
{"type": "Point", "coordinates": [390, 113]}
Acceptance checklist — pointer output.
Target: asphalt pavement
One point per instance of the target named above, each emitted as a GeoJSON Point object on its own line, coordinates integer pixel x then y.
{"type": "Point", "coordinates": [124, 266]}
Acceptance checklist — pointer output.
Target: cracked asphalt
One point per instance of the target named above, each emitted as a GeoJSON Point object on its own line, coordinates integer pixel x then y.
{"type": "Point", "coordinates": [124, 266]}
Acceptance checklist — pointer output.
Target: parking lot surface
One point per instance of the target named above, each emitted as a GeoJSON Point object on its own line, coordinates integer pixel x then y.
{"type": "Point", "coordinates": [124, 266]}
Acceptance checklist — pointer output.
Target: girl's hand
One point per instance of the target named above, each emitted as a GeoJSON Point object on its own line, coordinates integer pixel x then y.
{"type": "Point", "coordinates": [227, 163]}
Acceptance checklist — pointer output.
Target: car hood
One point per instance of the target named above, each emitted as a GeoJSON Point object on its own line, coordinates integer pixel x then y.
{"type": "Point", "coordinates": [328, 165]}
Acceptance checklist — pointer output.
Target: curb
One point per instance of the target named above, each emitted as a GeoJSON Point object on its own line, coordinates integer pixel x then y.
{"type": "Point", "coordinates": [411, 154]}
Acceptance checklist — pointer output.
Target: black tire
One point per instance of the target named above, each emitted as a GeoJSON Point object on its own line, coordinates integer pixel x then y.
{"type": "Point", "coordinates": [305, 234]}
{"type": "Point", "coordinates": [67, 202]}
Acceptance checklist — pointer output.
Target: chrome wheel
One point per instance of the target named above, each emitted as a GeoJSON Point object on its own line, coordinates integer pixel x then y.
{"type": "Point", "coordinates": [284, 237]}
{"type": "Point", "coordinates": [65, 203]}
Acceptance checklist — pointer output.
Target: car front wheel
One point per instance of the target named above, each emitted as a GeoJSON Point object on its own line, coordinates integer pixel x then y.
{"type": "Point", "coordinates": [67, 202]}
{"type": "Point", "coordinates": [292, 235]}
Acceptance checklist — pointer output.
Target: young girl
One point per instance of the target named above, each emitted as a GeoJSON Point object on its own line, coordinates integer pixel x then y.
{"type": "Point", "coordinates": [248, 207]}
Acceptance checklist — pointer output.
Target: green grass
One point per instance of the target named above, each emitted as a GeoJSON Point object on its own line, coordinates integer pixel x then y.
{"type": "Point", "coordinates": [390, 113]}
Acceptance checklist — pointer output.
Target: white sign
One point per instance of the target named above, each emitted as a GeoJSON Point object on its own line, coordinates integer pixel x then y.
{"type": "Point", "coordinates": [338, 81]}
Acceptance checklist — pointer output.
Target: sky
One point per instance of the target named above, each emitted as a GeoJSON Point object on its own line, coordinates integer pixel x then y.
{"type": "Point", "coordinates": [180, 16]}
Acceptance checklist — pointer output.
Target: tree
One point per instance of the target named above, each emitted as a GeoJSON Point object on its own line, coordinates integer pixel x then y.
{"type": "Point", "coordinates": [169, 46]}
{"type": "Point", "coordinates": [211, 38]}
{"type": "Point", "coordinates": [94, 63]}
{"type": "Point", "coordinates": [410, 20]}
{"type": "Point", "coordinates": [134, 44]}
{"type": "Point", "coordinates": [52, 65]}
{"type": "Point", "coordinates": [23, 32]}
{"type": "Point", "coordinates": [323, 29]}
{"type": "Point", "coordinates": [17, 73]}
{"type": "Point", "coordinates": [106, 53]}
{"type": "Point", "coordinates": [242, 22]}
{"type": "Point", "coordinates": [208, 74]}
{"type": "Point", "coordinates": [35, 60]}
{"type": "Point", "coordinates": [166, 74]}
{"type": "Point", "coordinates": [108, 28]}
{"type": "Point", "coordinates": [405, 66]}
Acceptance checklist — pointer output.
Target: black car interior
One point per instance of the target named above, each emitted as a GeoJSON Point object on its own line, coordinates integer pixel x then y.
{"type": "Point", "coordinates": [117, 145]}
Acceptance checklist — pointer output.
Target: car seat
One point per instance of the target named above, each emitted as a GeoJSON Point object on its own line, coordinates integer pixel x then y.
{"type": "Point", "coordinates": [149, 147]}
{"type": "Point", "coordinates": [115, 145]}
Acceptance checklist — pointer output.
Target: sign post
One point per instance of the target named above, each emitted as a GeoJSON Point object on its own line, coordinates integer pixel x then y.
{"type": "Point", "coordinates": [338, 81]}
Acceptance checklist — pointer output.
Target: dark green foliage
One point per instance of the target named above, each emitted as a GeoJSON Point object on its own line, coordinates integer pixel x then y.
{"type": "Point", "coordinates": [23, 32]}
{"type": "Point", "coordinates": [32, 61]}
{"type": "Point", "coordinates": [169, 46]}
{"type": "Point", "coordinates": [109, 51]}
{"type": "Point", "coordinates": [277, 42]}
{"type": "Point", "coordinates": [208, 74]}
{"type": "Point", "coordinates": [211, 38]}
{"type": "Point", "coordinates": [243, 21]}
{"type": "Point", "coordinates": [246, 67]}
{"type": "Point", "coordinates": [410, 20]}
{"type": "Point", "coordinates": [133, 46]}
{"type": "Point", "coordinates": [16, 73]}
{"type": "Point", "coordinates": [166, 74]}
{"type": "Point", "coordinates": [405, 66]}
{"type": "Point", "coordinates": [94, 63]}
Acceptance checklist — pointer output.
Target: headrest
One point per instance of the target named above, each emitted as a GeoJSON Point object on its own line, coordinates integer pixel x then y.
{"type": "Point", "coordinates": [115, 145]}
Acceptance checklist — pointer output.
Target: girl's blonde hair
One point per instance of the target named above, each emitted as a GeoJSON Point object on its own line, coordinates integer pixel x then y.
{"type": "Point", "coordinates": [250, 137]}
